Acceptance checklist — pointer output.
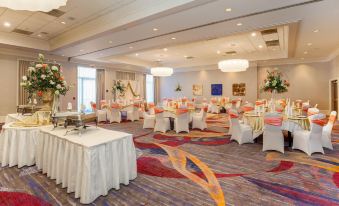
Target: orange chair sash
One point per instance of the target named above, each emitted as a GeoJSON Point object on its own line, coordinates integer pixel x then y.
{"type": "Point", "coordinates": [275, 121]}
{"type": "Point", "coordinates": [158, 110]}
{"type": "Point", "coordinates": [320, 122]}
{"type": "Point", "coordinates": [181, 111]}
{"type": "Point", "coordinates": [247, 108]}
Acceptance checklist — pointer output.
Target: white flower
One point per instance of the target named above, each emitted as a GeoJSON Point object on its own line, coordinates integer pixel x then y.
{"type": "Point", "coordinates": [38, 65]}
{"type": "Point", "coordinates": [55, 68]}
{"type": "Point", "coordinates": [29, 83]}
{"type": "Point", "coordinates": [43, 76]}
{"type": "Point", "coordinates": [41, 56]}
{"type": "Point", "coordinates": [57, 92]}
{"type": "Point", "coordinates": [23, 84]}
{"type": "Point", "coordinates": [58, 86]}
{"type": "Point", "coordinates": [51, 82]}
{"type": "Point", "coordinates": [31, 69]}
{"type": "Point", "coordinates": [65, 83]}
{"type": "Point", "coordinates": [24, 78]}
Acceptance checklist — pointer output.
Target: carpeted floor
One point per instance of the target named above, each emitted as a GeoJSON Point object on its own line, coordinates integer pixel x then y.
{"type": "Point", "coordinates": [199, 168]}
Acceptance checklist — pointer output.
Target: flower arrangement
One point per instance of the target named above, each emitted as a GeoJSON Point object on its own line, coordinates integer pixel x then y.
{"type": "Point", "coordinates": [43, 78]}
{"type": "Point", "coordinates": [119, 86]}
{"type": "Point", "coordinates": [275, 82]}
{"type": "Point", "coordinates": [178, 88]}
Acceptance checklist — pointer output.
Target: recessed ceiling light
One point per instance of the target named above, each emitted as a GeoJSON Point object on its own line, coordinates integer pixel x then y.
{"type": "Point", "coordinates": [39, 35]}
{"type": "Point", "coordinates": [110, 42]}
{"type": "Point", "coordinates": [62, 55]}
{"type": "Point", "coordinates": [130, 47]}
{"type": "Point", "coordinates": [239, 24]}
{"type": "Point", "coordinates": [136, 54]}
{"type": "Point", "coordinates": [228, 9]}
{"type": "Point", "coordinates": [63, 22]}
{"type": "Point", "coordinates": [253, 34]}
{"type": "Point", "coordinates": [302, 58]}
{"type": "Point", "coordinates": [309, 44]}
{"type": "Point", "coordinates": [305, 52]}
{"type": "Point", "coordinates": [233, 54]}
{"type": "Point", "coordinates": [260, 46]}
{"type": "Point", "coordinates": [155, 29]}
{"type": "Point", "coordinates": [173, 38]}
{"type": "Point", "coordinates": [185, 56]}
{"type": "Point", "coordinates": [218, 52]}
{"type": "Point", "coordinates": [81, 50]}
{"type": "Point", "coordinates": [165, 49]}
{"type": "Point", "coordinates": [7, 24]}
{"type": "Point", "coordinates": [316, 30]}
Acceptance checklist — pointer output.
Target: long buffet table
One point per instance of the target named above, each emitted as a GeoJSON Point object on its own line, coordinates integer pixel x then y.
{"type": "Point", "coordinates": [89, 164]}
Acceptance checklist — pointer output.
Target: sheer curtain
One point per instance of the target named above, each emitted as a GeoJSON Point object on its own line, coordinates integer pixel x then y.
{"type": "Point", "coordinates": [156, 90]}
{"type": "Point", "coordinates": [100, 81]}
{"type": "Point", "coordinates": [23, 95]}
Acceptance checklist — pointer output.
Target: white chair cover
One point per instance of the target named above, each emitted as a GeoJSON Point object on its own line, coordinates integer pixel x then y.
{"type": "Point", "coordinates": [115, 115]}
{"type": "Point", "coordinates": [310, 141]}
{"type": "Point", "coordinates": [149, 121]}
{"type": "Point", "coordinates": [133, 113]}
{"type": "Point", "coordinates": [162, 124]}
{"type": "Point", "coordinates": [240, 132]}
{"type": "Point", "coordinates": [101, 114]}
{"type": "Point", "coordinates": [327, 130]}
{"type": "Point", "coordinates": [273, 138]}
{"type": "Point", "coordinates": [199, 120]}
{"type": "Point", "coordinates": [181, 122]}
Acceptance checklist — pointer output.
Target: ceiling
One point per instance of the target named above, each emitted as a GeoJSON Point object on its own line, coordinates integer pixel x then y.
{"type": "Point", "coordinates": [195, 33]}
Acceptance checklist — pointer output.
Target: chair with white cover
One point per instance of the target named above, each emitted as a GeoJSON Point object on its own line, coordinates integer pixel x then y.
{"type": "Point", "coordinates": [310, 141]}
{"type": "Point", "coordinates": [327, 130]}
{"type": "Point", "coordinates": [115, 114]}
{"type": "Point", "coordinates": [273, 138]}
{"type": "Point", "coordinates": [248, 107]}
{"type": "Point", "coordinates": [162, 124]}
{"type": "Point", "coordinates": [151, 107]}
{"type": "Point", "coordinates": [241, 133]}
{"type": "Point", "coordinates": [305, 107]}
{"type": "Point", "coordinates": [181, 121]}
{"type": "Point", "coordinates": [101, 114]}
{"type": "Point", "coordinates": [149, 121]}
{"type": "Point", "coordinates": [199, 120]}
{"type": "Point", "coordinates": [133, 113]}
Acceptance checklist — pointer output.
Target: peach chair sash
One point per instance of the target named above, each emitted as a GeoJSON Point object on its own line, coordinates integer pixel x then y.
{"type": "Point", "coordinates": [320, 122]}
{"type": "Point", "coordinates": [115, 106]}
{"type": "Point", "coordinates": [279, 109]}
{"type": "Point", "coordinates": [158, 110]}
{"type": "Point", "coordinates": [274, 121]}
{"type": "Point", "coordinates": [136, 105]}
{"type": "Point", "coordinates": [213, 101]}
{"type": "Point", "coordinates": [233, 114]}
{"type": "Point", "coordinates": [181, 111]}
{"type": "Point", "coordinates": [247, 108]}
{"type": "Point", "coordinates": [259, 103]}
{"type": "Point", "coordinates": [102, 103]}
{"type": "Point", "coordinates": [190, 105]}
{"type": "Point", "coordinates": [234, 101]}
{"type": "Point", "coordinates": [151, 105]}
{"type": "Point", "coordinates": [93, 105]}
{"type": "Point", "coordinates": [205, 109]}
{"type": "Point", "coordinates": [184, 99]}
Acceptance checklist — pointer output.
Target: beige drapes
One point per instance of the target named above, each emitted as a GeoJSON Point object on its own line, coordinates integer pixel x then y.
{"type": "Point", "coordinates": [23, 95]}
{"type": "Point", "coordinates": [156, 90]}
{"type": "Point", "coordinates": [100, 81]}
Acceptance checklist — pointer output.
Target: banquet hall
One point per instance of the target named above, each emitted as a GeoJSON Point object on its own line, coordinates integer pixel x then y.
{"type": "Point", "coordinates": [169, 102]}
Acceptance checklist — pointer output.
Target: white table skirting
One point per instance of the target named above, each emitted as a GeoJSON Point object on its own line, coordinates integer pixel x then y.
{"type": "Point", "coordinates": [13, 118]}
{"type": "Point", "coordinates": [90, 164]}
{"type": "Point", "coordinates": [18, 145]}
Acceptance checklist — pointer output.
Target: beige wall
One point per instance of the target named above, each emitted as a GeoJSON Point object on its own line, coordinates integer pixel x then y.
{"type": "Point", "coordinates": [8, 84]}
{"type": "Point", "coordinates": [308, 82]}
{"type": "Point", "coordinates": [206, 78]}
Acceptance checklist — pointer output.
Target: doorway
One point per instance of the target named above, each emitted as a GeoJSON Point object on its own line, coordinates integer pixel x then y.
{"type": "Point", "coordinates": [334, 95]}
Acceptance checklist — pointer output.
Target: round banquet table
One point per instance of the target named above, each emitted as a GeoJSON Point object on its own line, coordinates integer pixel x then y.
{"type": "Point", "coordinates": [18, 145]}
{"type": "Point", "coordinates": [291, 124]}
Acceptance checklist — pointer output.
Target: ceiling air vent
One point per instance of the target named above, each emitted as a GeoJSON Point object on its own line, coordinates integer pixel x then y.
{"type": "Point", "coordinates": [230, 52]}
{"type": "Point", "coordinates": [55, 13]}
{"type": "Point", "coordinates": [189, 57]}
{"type": "Point", "coordinates": [269, 31]}
{"type": "Point", "coordinates": [20, 31]}
{"type": "Point", "coordinates": [272, 43]}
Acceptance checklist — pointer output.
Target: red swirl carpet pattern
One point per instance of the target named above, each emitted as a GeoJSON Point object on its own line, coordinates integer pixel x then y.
{"type": "Point", "coordinates": [199, 168]}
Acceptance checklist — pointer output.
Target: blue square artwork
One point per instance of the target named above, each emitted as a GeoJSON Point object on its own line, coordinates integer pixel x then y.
{"type": "Point", "coordinates": [216, 89]}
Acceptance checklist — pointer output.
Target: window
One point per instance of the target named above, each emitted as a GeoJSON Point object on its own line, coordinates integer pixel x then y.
{"type": "Point", "coordinates": [149, 88]}
{"type": "Point", "coordinates": [86, 87]}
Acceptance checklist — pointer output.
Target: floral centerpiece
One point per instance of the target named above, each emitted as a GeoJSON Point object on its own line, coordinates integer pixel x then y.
{"type": "Point", "coordinates": [46, 80]}
{"type": "Point", "coordinates": [119, 87]}
{"type": "Point", "coordinates": [178, 88]}
{"type": "Point", "coordinates": [275, 83]}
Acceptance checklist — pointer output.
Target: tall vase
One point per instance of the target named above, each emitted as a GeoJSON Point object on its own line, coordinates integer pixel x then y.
{"type": "Point", "coordinates": [274, 92]}
{"type": "Point", "coordinates": [56, 104]}
{"type": "Point", "coordinates": [47, 100]}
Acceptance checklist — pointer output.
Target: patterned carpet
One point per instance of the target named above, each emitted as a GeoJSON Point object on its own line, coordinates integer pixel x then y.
{"type": "Point", "coordinates": [199, 168]}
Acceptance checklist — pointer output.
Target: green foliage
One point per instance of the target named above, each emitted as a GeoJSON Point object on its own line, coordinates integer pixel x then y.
{"type": "Point", "coordinates": [119, 86]}
{"type": "Point", "coordinates": [43, 77]}
{"type": "Point", "coordinates": [275, 82]}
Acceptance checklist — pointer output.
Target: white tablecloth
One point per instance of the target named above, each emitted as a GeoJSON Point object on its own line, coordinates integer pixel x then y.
{"type": "Point", "coordinates": [13, 118]}
{"type": "Point", "coordinates": [90, 164]}
{"type": "Point", "coordinates": [18, 145]}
